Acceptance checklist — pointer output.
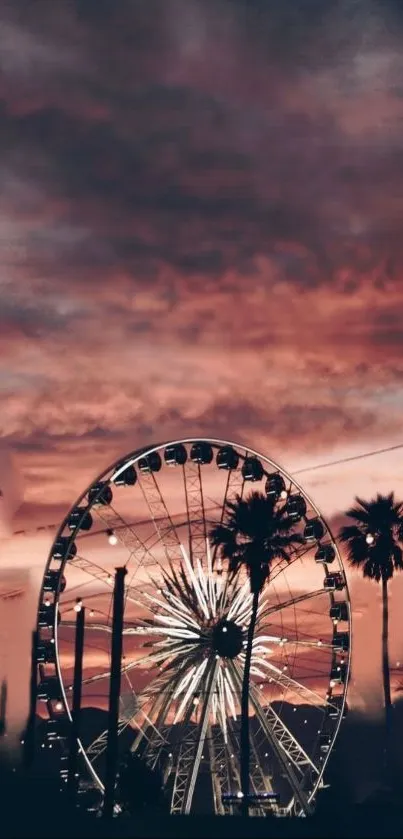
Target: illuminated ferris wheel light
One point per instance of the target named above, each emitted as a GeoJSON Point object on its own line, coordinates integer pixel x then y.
{"type": "Point", "coordinates": [112, 538]}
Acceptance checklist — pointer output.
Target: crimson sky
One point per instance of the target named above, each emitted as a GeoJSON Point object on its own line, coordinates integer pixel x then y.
{"type": "Point", "coordinates": [200, 232]}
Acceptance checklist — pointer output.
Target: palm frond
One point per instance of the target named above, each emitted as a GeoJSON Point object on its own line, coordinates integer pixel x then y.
{"type": "Point", "coordinates": [349, 532]}
{"type": "Point", "coordinates": [255, 532]}
{"type": "Point", "coordinates": [397, 554]}
{"type": "Point", "coordinates": [383, 518]}
{"type": "Point", "coordinates": [364, 504]}
{"type": "Point", "coordinates": [356, 514]}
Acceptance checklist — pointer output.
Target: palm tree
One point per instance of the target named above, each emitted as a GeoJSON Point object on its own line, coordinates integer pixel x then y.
{"type": "Point", "coordinates": [374, 544]}
{"type": "Point", "coordinates": [253, 534]}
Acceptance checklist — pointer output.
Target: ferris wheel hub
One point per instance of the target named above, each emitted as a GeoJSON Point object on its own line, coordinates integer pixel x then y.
{"type": "Point", "coordinates": [227, 638]}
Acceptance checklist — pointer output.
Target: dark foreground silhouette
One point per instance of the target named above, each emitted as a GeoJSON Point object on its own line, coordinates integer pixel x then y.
{"type": "Point", "coordinates": [32, 806]}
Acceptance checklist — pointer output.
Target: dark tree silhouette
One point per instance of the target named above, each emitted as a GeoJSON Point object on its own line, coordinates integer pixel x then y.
{"type": "Point", "coordinates": [139, 788]}
{"type": "Point", "coordinates": [374, 544]}
{"type": "Point", "coordinates": [255, 531]}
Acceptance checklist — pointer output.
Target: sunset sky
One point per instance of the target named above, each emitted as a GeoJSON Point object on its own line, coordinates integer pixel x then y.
{"type": "Point", "coordinates": [200, 233]}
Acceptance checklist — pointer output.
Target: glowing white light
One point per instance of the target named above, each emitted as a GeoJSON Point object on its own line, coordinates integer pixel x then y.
{"type": "Point", "coordinates": [370, 539]}
{"type": "Point", "coordinates": [78, 606]}
{"type": "Point", "coordinates": [283, 494]}
{"type": "Point", "coordinates": [112, 538]}
{"type": "Point", "coordinates": [239, 794]}
{"type": "Point", "coordinates": [47, 602]}
{"type": "Point", "coordinates": [225, 629]}
{"type": "Point", "coordinates": [59, 706]}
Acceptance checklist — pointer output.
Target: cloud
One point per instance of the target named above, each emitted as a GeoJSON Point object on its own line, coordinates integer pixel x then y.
{"type": "Point", "coordinates": [200, 233]}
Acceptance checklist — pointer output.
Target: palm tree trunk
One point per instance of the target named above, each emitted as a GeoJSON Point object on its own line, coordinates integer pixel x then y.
{"type": "Point", "coordinates": [385, 668]}
{"type": "Point", "coordinates": [245, 744]}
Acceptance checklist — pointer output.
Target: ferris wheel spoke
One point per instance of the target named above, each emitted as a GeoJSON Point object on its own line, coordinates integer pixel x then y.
{"type": "Point", "coordinates": [91, 568]}
{"type": "Point", "coordinates": [102, 575]}
{"type": "Point", "coordinates": [128, 717]}
{"type": "Point", "coordinates": [280, 678]}
{"type": "Point", "coordinates": [259, 642]}
{"type": "Point", "coordinates": [281, 566]}
{"type": "Point", "coordinates": [286, 739]}
{"type": "Point", "coordinates": [161, 731]}
{"type": "Point", "coordinates": [193, 487]}
{"type": "Point", "coordinates": [292, 601]}
{"type": "Point", "coordinates": [281, 749]}
{"type": "Point", "coordinates": [234, 488]}
{"type": "Point", "coordinates": [159, 709]}
{"type": "Point", "coordinates": [95, 571]}
{"type": "Point", "coordinates": [98, 746]}
{"type": "Point", "coordinates": [98, 627]}
{"type": "Point", "coordinates": [162, 521]}
{"type": "Point", "coordinates": [152, 659]}
{"type": "Point", "coordinates": [191, 749]}
{"type": "Point", "coordinates": [125, 534]}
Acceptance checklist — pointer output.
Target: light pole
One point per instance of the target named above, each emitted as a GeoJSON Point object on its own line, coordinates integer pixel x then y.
{"type": "Point", "coordinates": [29, 734]}
{"type": "Point", "coordinates": [114, 692]}
{"type": "Point", "coordinates": [76, 707]}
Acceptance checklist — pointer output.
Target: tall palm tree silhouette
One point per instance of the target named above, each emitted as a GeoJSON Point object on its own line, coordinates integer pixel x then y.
{"type": "Point", "coordinates": [254, 532]}
{"type": "Point", "coordinates": [374, 544]}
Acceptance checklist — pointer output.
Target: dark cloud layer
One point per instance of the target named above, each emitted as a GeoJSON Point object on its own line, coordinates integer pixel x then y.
{"type": "Point", "coordinates": [200, 222]}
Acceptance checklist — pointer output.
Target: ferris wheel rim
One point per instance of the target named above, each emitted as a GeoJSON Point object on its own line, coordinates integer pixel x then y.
{"type": "Point", "coordinates": [132, 458]}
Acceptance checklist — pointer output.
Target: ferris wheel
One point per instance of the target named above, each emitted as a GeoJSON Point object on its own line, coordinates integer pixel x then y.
{"type": "Point", "coordinates": [185, 628]}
